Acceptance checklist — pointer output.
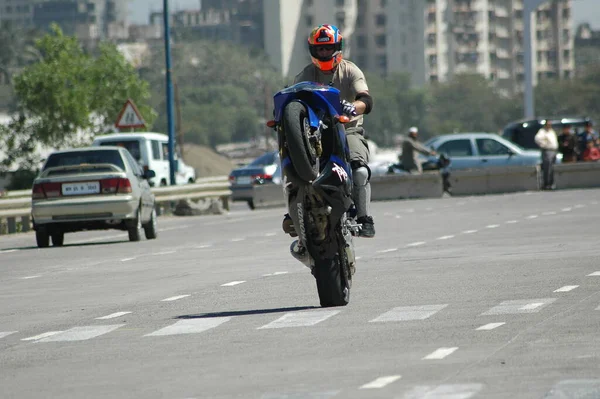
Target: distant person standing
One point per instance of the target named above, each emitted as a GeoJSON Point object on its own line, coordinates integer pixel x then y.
{"type": "Point", "coordinates": [410, 149]}
{"type": "Point", "coordinates": [568, 145]}
{"type": "Point", "coordinates": [546, 139]}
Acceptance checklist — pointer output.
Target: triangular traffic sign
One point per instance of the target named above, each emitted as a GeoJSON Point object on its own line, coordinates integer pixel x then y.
{"type": "Point", "coordinates": [130, 117]}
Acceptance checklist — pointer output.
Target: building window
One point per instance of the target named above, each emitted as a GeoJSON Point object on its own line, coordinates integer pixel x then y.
{"type": "Point", "coordinates": [360, 21]}
{"type": "Point", "coordinates": [380, 40]}
{"type": "Point", "coordinates": [309, 3]}
{"type": "Point", "coordinates": [361, 41]}
{"type": "Point", "coordinates": [340, 3]}
{"type": "Point", "coordinates": [380, 20]}
{"type": "Point", "coordinates": [309, 20]}
{"type": "Point", "coordinates": [566, 54]}
{"type": "Point", "coordinates": [382, 62]}
{"type": "Point", "coordinates": [383, 3]}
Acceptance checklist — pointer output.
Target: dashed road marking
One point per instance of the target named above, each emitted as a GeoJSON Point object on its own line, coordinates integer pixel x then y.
{"type": "Point", "coordinates": [492, 226]}
{"type": "Point", "coordinates": [6, 333]}
{"type": "Point", "coordinates": [469, 231]}
{"type": "Point", "coordinates": [274, 274]}
{"type": "Point", "coordinates": [381, 382]}
{"type": "Point", "coordinates": [270, 234]}
{"type": "Point", "coordinates": [385, 251]}
{"type": "Point", "coordinates": [511, 221]}
{"type": "Point", "coordinates": [549, 213]}
{"type": "Point", "coordinates": [566, 209]}
{"type": "Point", "coordinates": [594, 274]}
{"type": "Point", "coordinates": [237, 239]}
{"type": "Point", "coordinates": [300, 319]}
{"type": "Point", "coordinates": [128, 259]}
{"type": "Point", "coordinates": [566, 288]}
{"type": "Point", "coordinates": [41, 336]}
{"type": "Point", "coordinates": [406, 313]}
{"type": "Point", "coordinates": [446, 391]}
{"type": "Point", "coordinates": [490, 326]}
{"type": "Point", "coordinates": [445, 237]}
{"type": "Point", "coordinates": [164, 253]}
{"type": "Point", "coordinates": [190, 326]}
{"type": "Point", "coordinates": [416, 244]}
{"type": "Point", "coordinates": [7, 251]}
{"type": "Point", "coordinates": [112, 316]}
{"type": "Point", "coordinates": [519, 306]}
{"type": "Point", "coordinates": [231, 284]}
{"type": "Point", "coordinates": [174, 298]}
{"type": "Point", "coordinates": [203, 246]}
{"type": "Point", "coordinates": [440, 353]}
{"type": "Point", "coordinates": [532, 216]}
{"type": "Point", "coordinates": [80, 333]}
{"type": "Point", "coordinates": [30, 277]}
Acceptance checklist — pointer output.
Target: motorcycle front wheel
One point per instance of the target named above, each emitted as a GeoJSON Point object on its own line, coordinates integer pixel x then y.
{"type": "Point", "coordinates": [296, 130]}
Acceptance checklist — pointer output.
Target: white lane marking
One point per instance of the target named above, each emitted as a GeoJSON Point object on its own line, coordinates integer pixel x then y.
{"type": "Point", "coordinates": [566, 288]}
{"type": "Point", "coordinates": [29, 277]}
{"type": "Point", "coordinates": [300, 319]}
{"type": "Point", "coordinates": [381, 382]}
{"type": "Point", "coordinates": [519, 306]}
{"type": "Point", "coordinates": [237, 239]}
{"type": "Point", "coordinates": [174, 228]}
{"type": "Point", "coordinates": [532, 306]}
{"type": "Point", "coordinates": [405, 313]}
{"type": "Point", "coordinates": [594, 274]}
{"type": "Point", "coordinates": [511, 221]}
{"type": "Point", "coordinates": [387, 250]}
{"type": "Point", "coordinates": [174, 298]}
{"type": "Point", "coordinates": [358, 258]}
{"type": "Point", "coordinates": [594, 203]}
{"type": "Point", "coordinates": [598, 308]}
{"type": "Point", "coordinates": [416, 244]}
{"type": "Point", "coordinates": [566, 209]}
{"type": "Point", "coordinates": [492, 226]}
{"type": "Point", "coordinates": [203, 246]}
{"type": "Point", "coordinates": [275, 274]}
{"type": "Point", "coordinates": [6, 333]}
{"type": "Point", "coordinates": [490, 326]}
{"type": "Point", "coordinates": [445, 237]}
{"type": "Point", "coordinates": [446, 391]}
{"type": "Point", "coordinates": [81, 333]}
{"type": "Point", "coordinates": [270, 234]}
{"type": "Point", "coordinates": [112, 315]}
{"type": "Point", "coordinates": [232, 283]}
{"type": "Point", "coordinates": [398, 216]}
{"type": "Point", "coordinates": [99, 239]}
{"type": "Point", "coordinates": [164, 253]}
{"type": "Point", "coordinates": [579, 206]}
{"type": "Point", "coordinates": [128, 259]}
{"type": "Point", "coordinates": [532, 216]}
{"type": "Point", "coordinates": [190, 326]}
{"type": "Point", "coordinates": [440, 353]}
{"type": "Point", "coordinates": [40, 336]}
{"type": "Point", "coordinates": [7, 251]}
{"type": "Point", "coordinates": [469, 231]}
{"type": "Point", "coordinates": [549, 213]}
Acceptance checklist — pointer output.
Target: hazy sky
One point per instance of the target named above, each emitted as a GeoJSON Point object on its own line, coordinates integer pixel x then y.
{"type": "Point", "coordinates": [583, 10]}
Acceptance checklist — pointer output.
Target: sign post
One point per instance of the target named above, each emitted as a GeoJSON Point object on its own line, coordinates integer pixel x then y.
{"type": "Point", "coordinates": [130, 117]}
{"type": "Point", "coordinates": [169, 83]}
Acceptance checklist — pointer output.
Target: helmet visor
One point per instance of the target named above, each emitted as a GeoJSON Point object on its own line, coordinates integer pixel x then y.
{"type": "Point", "coordinates": [324, 52]}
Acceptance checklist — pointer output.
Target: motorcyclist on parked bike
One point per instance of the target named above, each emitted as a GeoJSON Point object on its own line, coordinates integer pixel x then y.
{"type": "Point", "coordinates": [325, 44]}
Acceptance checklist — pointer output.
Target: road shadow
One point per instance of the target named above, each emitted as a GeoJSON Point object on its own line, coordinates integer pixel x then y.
{"type": "Point", "coordinates": [51, 247]}
{"type": "Point", "coordinates": [246, 312]}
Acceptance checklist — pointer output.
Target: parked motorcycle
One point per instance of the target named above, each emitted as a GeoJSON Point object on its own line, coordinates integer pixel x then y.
{"type": "Point", "coordinates": [318, 185]}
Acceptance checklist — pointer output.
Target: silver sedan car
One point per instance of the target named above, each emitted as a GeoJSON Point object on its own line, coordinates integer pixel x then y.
{"type": "Point", "coordinates": [92, 188]}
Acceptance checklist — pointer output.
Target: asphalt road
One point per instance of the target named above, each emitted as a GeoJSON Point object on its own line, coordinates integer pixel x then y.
{"type": "Point", "coordinates": [455, 298]}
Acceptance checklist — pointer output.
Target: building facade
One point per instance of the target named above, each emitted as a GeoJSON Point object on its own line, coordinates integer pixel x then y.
{"type": "Point", "coordinates": [486, 37]}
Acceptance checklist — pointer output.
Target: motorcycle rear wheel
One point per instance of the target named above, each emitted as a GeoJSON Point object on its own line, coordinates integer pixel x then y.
{"type": "Point", "coordinates": [296, 130]}
{"type": "Point", "coordinates": [332, 289]}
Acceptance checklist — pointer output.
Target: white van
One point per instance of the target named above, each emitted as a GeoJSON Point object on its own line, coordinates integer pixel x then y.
{"type": "Point", "coordinates": [151, 150]}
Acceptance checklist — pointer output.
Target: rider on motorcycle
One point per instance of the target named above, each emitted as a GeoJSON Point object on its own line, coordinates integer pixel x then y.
{"type": "Point", "coordinates": [325, 44]}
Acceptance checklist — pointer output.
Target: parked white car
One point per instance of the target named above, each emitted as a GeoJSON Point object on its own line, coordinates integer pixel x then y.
{"type": "Point", "coordinates": [151, 150]}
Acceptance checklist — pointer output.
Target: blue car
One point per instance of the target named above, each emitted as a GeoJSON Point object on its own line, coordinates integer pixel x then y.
{"type": "Point", "coordinates": [481, 150]}
{"type": "Point", "coordinates": [265, 169]}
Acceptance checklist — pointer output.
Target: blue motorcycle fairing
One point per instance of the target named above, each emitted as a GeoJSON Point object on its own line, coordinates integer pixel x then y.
{"type": "Point", "coordinates": [311, 95]}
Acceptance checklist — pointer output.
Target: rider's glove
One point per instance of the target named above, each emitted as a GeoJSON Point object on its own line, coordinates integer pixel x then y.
{"type": "Point", "coordinates": [348, 108]}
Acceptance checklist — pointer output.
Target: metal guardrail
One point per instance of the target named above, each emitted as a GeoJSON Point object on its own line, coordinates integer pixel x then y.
{"type": "Point", "coordinates": [15, 205]}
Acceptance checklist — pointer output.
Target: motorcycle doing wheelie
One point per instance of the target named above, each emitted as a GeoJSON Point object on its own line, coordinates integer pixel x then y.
{"type": "Point", "coordinates": [318, 185]}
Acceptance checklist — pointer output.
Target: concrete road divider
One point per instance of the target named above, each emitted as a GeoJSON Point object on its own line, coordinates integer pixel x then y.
{"type": "Point", "coordinates": [495, 180]}
{"type": "Point", "coordinates": [577, 175]}
{"type": "Point", "coordinates": [391, 187]}
{"type": "Point", "coordinates": [268, 196]}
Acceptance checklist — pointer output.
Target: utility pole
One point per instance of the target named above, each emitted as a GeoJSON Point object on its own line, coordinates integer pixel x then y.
{"type": "Point", "coordinates": [171, 125]}
{"type": "Point", "coordinates": [529, 6]}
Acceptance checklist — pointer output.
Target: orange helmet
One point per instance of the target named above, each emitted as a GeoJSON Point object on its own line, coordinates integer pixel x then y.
{"type": "Point", "coordinates": [325, 36]}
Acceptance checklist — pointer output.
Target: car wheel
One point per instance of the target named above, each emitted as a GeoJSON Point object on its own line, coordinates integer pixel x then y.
{"type": "Point", "coordinates": [135, 227]}
{"type": "Point", "coordinates": [150, 230]}
{"type": "Point", "coordinates": [58, 239]}
{"type": "Point", "coordinates": [42, 238]}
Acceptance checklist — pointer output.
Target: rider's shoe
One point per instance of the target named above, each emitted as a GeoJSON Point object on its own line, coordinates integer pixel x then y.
{"type": "Point", "coordinates": [368, 228]}
{"type": "Point", "coordinates": [288, 226]}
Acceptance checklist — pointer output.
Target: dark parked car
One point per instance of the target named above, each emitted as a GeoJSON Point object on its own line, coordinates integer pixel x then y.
{"type": "Point", "coordinates": [523, 132]}
{"type": "Point", "coordinates": [265, 169]}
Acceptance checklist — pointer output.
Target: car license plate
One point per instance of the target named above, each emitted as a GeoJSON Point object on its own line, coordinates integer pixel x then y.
{"type": "Point", "coordinates": [243, 180]}
{"type": "Point", "coordinates": [81, 188]}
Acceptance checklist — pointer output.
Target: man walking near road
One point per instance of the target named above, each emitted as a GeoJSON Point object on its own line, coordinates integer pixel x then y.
{"type": "Point", "coordinates": [410, 149]}
{"type": "Point", "coordinates": [546, 139]}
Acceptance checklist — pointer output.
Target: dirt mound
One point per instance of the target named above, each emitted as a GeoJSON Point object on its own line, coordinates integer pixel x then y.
{"type": "Point", "coordinates": [206, 161]}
